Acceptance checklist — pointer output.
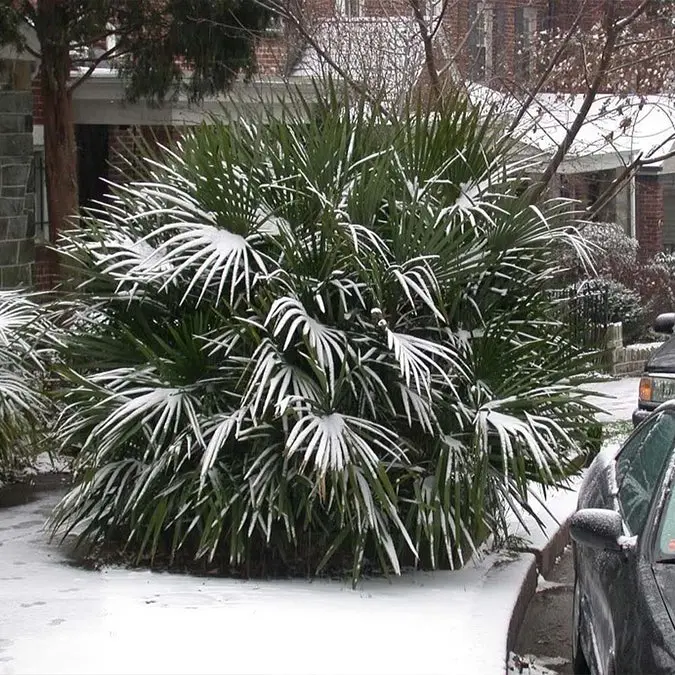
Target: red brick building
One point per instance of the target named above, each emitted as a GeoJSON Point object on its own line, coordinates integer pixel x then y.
{"type": "Point", "coordinates": [489, 41]}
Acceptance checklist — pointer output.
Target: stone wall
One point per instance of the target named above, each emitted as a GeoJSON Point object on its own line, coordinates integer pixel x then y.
{"type": "Point", "coordinates": [17, 201]}
{"type": "Point", "coordinates": [626, 361]}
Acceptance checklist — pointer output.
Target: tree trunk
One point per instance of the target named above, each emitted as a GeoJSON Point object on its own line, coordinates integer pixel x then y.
{"type": "Point", "coordinates": [59, 129]}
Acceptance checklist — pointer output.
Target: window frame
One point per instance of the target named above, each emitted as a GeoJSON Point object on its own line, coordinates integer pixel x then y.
{"type": "Point", "coordinates": [351, 9]}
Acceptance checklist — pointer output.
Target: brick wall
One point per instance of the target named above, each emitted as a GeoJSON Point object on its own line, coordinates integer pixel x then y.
{"type": "Point", "coordinates": [460, 24]}
{"type": "Point", "coordinates": [649, 202]}
{"type": "Point", "coordinates": [17, 200]}
{"type": "Point", "coordinates": [38, 112]}
{"type": "Point", "coordinates": [385, 7]}
{"type": "Point", "coordinates": [46, 268]}
{"type": "Point", "coordinates": [271, 55]}
{"type": "Point", "coordinates": [555, 14]}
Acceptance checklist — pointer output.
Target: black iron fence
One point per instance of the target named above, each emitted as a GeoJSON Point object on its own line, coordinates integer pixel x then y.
{"type": "Point", "coordinates": [585, 314]}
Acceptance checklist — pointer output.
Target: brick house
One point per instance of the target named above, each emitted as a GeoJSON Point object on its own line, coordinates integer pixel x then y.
{"type": "Point", "coordinates": [499, 53]}
{"type": "Point", "coordinates": [486, 41]}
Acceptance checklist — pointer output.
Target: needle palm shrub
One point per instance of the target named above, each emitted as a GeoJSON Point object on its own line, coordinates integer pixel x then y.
{"type": "Point", "coordinates": [317, 342]}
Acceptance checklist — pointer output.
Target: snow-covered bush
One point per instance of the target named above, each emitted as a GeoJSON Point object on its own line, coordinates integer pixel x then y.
{"type": "Point", "coordinates": [23, 326]}
{"type": "Point", "coordinates": [622, 304]}
{"type": "Point", "coordinates": [666, 260]}
{"type": "Point", "coordinates": [318, 342]}
{"type": "Point", "coordinates": [648, 286]}
{"type": "Point", "coordinates": [615, 254]}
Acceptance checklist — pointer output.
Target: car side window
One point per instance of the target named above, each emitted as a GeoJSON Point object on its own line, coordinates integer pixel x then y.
{"type": "Point", "coordinates": [639, 468]}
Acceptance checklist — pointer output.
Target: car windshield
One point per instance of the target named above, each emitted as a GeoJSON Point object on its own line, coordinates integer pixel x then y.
{"type": "Point", "coordinates": [663, 360]}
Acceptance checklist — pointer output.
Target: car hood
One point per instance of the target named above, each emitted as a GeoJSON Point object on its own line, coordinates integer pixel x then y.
{"type": "Point", "coordinates": [663, 359]}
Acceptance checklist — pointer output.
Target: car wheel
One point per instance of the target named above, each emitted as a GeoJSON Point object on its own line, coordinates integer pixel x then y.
{"type": "Point", "coordinates": [579, 664]}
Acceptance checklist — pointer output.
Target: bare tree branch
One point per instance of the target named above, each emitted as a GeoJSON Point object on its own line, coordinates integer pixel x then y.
{"type": "Point", "coordinates": [580, 118]}
{"type": "Point", "coordinates": [429, 57]}
{"type": "Point", "coordinates": [113, 51]}
{"type": "Point", "coordinates": [541, 82]}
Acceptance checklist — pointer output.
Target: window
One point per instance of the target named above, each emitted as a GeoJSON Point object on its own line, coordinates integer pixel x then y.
{"type": "Point", "coordinates": [639, 467]}
{"type": "Point", "coordinates": [481, 47]}
{"type": "Point", "coordinates": [350, 8]}
{"type": "Point", "coordinates": [526, 31]}
{"type": "Point", "coordinates": [275, 26]}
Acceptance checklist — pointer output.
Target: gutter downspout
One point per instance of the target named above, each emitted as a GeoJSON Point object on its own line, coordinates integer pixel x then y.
{"type": "Point", "coordinates": [633, 206]}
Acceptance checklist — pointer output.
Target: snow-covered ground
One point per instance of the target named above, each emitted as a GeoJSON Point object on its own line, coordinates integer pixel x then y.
{"type": "Point", "coordinates": [46, 463]}
{"type": "Point", "coordinates": [618, 398]}
{"type": "Point", "coordinates": [57, 618]}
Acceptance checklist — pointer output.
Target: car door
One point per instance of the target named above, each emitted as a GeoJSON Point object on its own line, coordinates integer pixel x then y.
{"type": "Point", "coordinates": [610, 576]}
{"type": "Point", "coordinates": [639, 477]}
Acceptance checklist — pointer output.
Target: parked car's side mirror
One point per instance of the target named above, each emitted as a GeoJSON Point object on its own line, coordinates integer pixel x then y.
{"type": "Point", "coordinates": [599, 528]}
{"type": "Point", "coordinates": [664, 323]}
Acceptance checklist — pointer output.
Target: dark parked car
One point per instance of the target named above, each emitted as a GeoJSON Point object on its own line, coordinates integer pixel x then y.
{"type": "Point", "coordinates": [658, 380]}
{"type": "Point", "coordinates": [624, 555]}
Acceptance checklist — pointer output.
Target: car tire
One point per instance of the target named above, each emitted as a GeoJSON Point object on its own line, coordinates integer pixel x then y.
{"type": "Point", "coordinates": [579, 663]}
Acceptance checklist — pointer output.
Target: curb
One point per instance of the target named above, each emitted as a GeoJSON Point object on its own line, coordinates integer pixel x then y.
{"type": "Point", "coordinates": [27, 488]}
{"type": "Point", "coordinates": [544, 561]}
{"type": "Point", "coordinates": [527, 590]}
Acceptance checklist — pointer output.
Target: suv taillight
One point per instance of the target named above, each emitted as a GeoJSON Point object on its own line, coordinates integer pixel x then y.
{"type": "Point", "coordinates": [646, 389]}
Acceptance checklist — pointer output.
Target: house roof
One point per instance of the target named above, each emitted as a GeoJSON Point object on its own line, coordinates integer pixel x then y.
{"type": "Point", "coordinates": [617, 129]}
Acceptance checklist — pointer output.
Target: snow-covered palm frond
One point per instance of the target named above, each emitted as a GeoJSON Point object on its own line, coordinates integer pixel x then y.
{"type": "Point", "coordinates": [24, 356]}
{"type": "Point", "coordinates": [332, 442]}
{"type": "Point", "coordinates": [155, 412]}
{"type": "Point", "coordinates": [291, 323]}
{"type": "Point", "coordinates": [22, 323]}
{"type": "Point", "coordinates": [419, 359]}
{"type": "Point", "coordinates": [210, 257]}
{"type": "Point", "coordinates": [221, 429]}
{"type": "Point", "coordinates": [121, 256]}
{"type": "Point", "coordinates": [17, 398]}
{"type": "Point", "coordinates": [418, 409]}
{"type": "Point", "coordinates": [274, 379]}
{"type": "Point", "coordinates": [418, 281]}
